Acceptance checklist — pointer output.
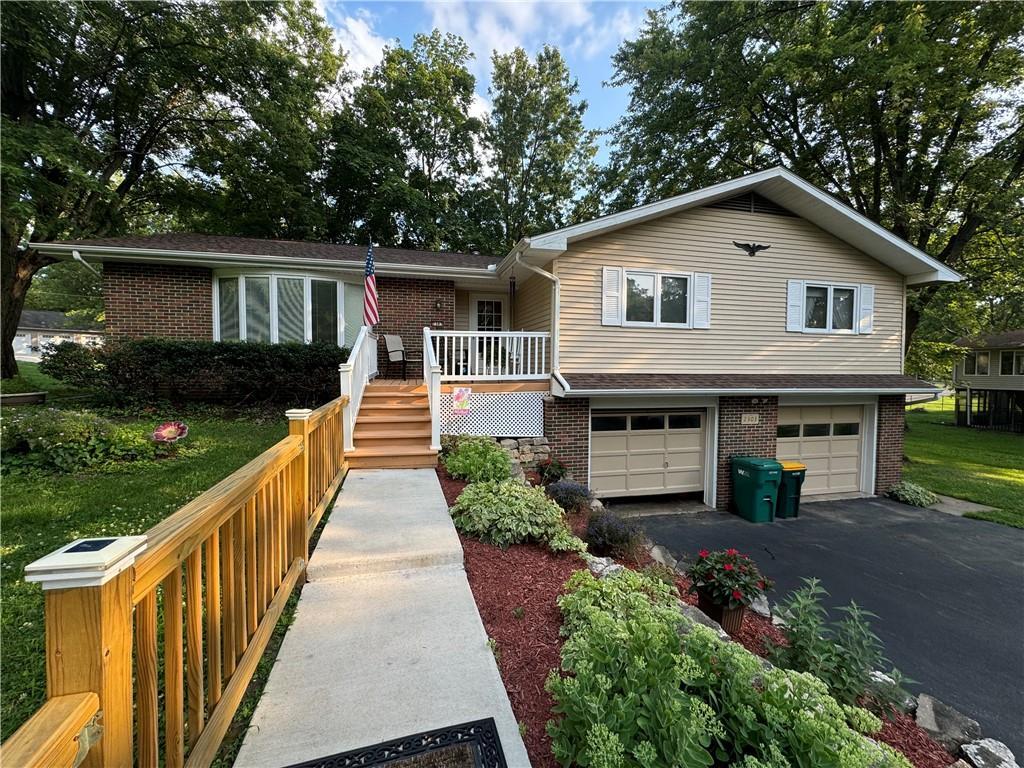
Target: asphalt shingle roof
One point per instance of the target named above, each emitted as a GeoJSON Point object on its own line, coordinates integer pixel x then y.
{"type": "Point", "coordinates": [993, 340]}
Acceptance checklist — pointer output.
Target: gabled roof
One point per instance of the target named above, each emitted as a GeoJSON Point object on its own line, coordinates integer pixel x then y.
{"type": "Point", "coordinates": [781, 187]}
{"type": "Point", "coordinates": [1004, 340]}
{"type": "Point", "coordinates": [222, 250]}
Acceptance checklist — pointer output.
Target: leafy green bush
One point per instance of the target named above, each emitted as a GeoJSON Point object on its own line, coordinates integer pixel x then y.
{"type": "Point", "coordinates": [841, 654]}
{"type": "Point", "coordinates": [570, 495]}
{"type": "Point", "coordinates": [727, 577]}
{"type": "Point", "coordinates": [204, 371]}
{"type": "Point", "coordinates": [634, 694]}
{"type": "Point", "coordinates": [69, 441]}
{"type": "Point", "coordinates": [609, 535]}
{"type": "Point", "coordinates": [551, 470]}
{"type": "Point", "coordinates": [507, 512]}
{"type": "Point", "coordinates": [450, 442]}
{"type": "Point", "coordinates": [478, 459]}
{"type": "Point", "coordinates": [912, 493]}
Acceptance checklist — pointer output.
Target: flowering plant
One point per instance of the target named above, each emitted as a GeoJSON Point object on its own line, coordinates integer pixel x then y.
{"type": "Point", "coordinates": [727, 578]}
{"type": "Point", "coordinates": [170, 432]}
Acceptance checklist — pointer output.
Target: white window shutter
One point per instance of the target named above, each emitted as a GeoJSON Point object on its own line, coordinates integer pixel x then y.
{"type": "Point", "coordinates": [611, 296]}
{"type": "Point", "coordinates": [795, 306]}
{"type": "Point", "coordinates": [701, 300]}
{"type": "Point", "coordinates": [867, 309]}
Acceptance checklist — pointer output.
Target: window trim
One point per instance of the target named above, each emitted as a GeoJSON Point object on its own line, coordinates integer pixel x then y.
{"type": "Point", "coordinates": [988, 362]}
{"type": "Point", "coordinates": [657, 275]}
{"type": "Point", "coordinates": [275, 320]}
{"type": "Point", "coordinates": [1018, 363]}
{"type": "Point", "coordinates": [830, 288]}
{"type": "Point", "coordinates": [971, 356]}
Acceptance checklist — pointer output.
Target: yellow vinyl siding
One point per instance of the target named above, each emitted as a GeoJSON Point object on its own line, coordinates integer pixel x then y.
{"type": "Point", "coordinates": [461, 311]}
{"type": "Point", "coordinates": [748, 299]}
{"type": "Point", "coordinates": [533, 305]}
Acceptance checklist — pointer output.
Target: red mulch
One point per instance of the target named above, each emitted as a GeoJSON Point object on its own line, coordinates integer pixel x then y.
{"type": "Point", "coordinates": [529, 577]}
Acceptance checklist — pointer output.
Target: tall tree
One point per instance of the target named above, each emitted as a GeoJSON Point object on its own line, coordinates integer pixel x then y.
{"type": "Point", "coordinates": [540, 153]}
{"type": "Point", "coordinates": [101, 102]}
{"type": "Point", "coordinates": [67, 287]}
{"type": "Point", "coordinates": [909, 112]}
{"type": "Point", "coordinates": [404, 151]}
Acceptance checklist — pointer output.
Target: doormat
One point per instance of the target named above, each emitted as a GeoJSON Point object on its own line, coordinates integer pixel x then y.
{"type": "Point", "coordinates": [469, 745]}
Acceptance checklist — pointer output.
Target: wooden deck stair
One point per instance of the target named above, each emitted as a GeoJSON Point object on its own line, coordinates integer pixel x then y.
{"type": "Point", "coordinates": [393, 428]}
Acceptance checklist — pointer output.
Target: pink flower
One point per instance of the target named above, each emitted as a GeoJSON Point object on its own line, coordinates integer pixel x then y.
{"type": "Point", "coordinates": [170, 432]}
{"type": "Point", "coordinates": [737, 594]}
{"type": "Point", "coordinates": [728, 566]}
{"type": "Point", "coordinates": [732, 551]}
{"type": "Point", "coordinates": [703, 553]}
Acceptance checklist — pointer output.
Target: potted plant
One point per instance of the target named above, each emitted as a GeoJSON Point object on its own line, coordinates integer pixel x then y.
{"type": "Point", "coordinates": [726, 582]}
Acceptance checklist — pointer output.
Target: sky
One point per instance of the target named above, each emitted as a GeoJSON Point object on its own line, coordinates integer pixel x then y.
{"type": "Point", "coordinates": [586, 32]}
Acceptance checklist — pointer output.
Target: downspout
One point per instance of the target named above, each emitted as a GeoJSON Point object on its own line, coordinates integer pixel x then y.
{"type": "Point", "coordinates": [78, 257]}
{"type": "Point", "coordinates": [555, 310]}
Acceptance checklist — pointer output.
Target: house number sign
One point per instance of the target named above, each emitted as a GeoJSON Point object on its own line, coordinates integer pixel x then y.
{"type": "Point", "coordinates": [750, 418]}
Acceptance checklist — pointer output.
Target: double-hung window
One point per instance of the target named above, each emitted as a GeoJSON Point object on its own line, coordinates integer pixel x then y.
{"type": "Point", "coordinates": [657, 299]}
{"type": "Point", "coordinates": [278, 308]}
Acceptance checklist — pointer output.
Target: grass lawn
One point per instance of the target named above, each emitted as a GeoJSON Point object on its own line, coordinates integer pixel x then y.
{"type": "Point", "coordinates": [29, 379]}
{"type": "Point", "coordinates": [41, 512]}
{"type": "Point", "coordinates": [972, 464]}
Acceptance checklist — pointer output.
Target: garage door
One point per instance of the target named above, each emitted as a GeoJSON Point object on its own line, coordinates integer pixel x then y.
{"type": "Point", "coordinates": [828, 440]}
{"type": "Point", "coordinates": [644, 453]}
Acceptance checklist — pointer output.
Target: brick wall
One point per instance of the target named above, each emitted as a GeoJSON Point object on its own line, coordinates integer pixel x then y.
{"type": "Point", "coordinates": [567, 425]}
{"type": "Point", "coordinates": [889, 454]}
{"type": "Point", "coordinates": [158, 300]}
{"type": "Point", "coordinates": [735, 438]}
{"type": "Point", "coordinates": [407, 306]}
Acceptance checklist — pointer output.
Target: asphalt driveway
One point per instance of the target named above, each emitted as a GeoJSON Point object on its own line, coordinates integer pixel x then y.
{"type": "Point", "coordinates": [948, 591]}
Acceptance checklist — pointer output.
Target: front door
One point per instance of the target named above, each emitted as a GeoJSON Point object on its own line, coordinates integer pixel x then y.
{"type": "Point", "coordinates": [488, 316]}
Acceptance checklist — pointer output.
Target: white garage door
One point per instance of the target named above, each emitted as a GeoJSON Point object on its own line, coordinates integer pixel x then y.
{"type": "Point", "coordinates": [646, 453]}
{"type": "Point", "coordinates": [828, 440]}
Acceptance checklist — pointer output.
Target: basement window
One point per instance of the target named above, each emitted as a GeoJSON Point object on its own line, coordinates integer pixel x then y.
{"type": "Point", "coordinates": [278, 308]}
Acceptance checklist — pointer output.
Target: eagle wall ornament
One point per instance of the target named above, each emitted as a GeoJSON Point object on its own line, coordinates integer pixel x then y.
{"type": "Point", "coordinates": [751, 248]}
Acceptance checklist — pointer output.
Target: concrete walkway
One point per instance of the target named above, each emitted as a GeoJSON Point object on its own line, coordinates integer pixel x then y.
{"type": "Point", "coordinates": [387, 641]}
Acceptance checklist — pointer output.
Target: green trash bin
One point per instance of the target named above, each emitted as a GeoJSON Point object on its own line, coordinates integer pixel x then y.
{"type": "Point", "coordinates": [793, 474]}
{"type": "Point", "coordinates": [755, 487]}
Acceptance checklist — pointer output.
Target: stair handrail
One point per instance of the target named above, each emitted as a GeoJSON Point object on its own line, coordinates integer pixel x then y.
{"type": "Point", "coordinates": [360, 367]}
{"type": "Point", "coordinates": [432, 380]}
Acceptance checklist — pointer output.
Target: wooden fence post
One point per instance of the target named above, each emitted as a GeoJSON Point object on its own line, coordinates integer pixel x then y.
{"type": "Point", "coordinates": [298, 424]}
{"type": "Point", "coordinates": [88, 608]}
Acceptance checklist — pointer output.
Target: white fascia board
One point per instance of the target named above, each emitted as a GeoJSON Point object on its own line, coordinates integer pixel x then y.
{"type": "Point", "coordinates": [203, 258]}
{"type": "Point", "coordinates": [745, 392]}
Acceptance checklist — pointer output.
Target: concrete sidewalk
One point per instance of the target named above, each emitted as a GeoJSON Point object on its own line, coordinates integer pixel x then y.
{"type": "Point", "coordinates": [387, 641]}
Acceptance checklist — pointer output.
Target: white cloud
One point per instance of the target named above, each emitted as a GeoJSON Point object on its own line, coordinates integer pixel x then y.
{"type": "Point", "coordinates": [363, 47]}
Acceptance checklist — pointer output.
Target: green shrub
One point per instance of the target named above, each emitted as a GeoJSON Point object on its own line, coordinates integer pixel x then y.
{"type": "Point", "coordinates": [609, 535]}
{"type": "Point", "coordinates": [841, 654]}
{"type": "Point", "coordinates": [570, 495]}
{"type": "Point", "coordinates": [551, 470]}
{"type": "Point", "coordinates": [69, 441]}
{"type": "Point", "coordinates": [232, 372]}
{"type": "Point", "coordinates": [727, 577]}
{"type": "Point", "coordinates": [912, 493]}
{"type": "Point", "coordinates": [508, 512]}
{"type": "Point", "coordinates": [478, 459]}
{"type": "Point", "coordinates": [627, 594]}
{"type": "Point", "coordinates": [450, 442]}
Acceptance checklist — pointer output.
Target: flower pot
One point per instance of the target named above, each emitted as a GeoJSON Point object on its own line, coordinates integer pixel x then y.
{"type": "Point", "coordinates": [731, 619]}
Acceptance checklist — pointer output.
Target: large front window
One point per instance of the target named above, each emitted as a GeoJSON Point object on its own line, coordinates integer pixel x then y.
{"type": "Point", "coordinates": [279, 308]}
{"type": "Point", "coordinates": [655, 298]}
{"type": "Point", "coordinates": [830, 308]}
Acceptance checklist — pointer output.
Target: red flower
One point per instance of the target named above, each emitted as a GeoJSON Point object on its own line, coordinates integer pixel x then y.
{"type": "Point", "coordinates": [732, 551]}
{"type": "Point", "coordinates": [737, 594]}
{"type": "Point", "coordinates": [728, 566]}
{"type": "Point", "coordinates": [760, 585]}
{"type": "Point", "coordinates": [703, 553]}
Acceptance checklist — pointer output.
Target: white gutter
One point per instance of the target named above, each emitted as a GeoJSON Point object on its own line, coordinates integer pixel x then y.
{"type": "Point", "coordinates": [555, 309]}
{"type": "Point", "coordinates": [748, 391]}
{"type": "Point", "coordinates": [78, 257]}
{"type": "Point", "coordinates": [171, 257]}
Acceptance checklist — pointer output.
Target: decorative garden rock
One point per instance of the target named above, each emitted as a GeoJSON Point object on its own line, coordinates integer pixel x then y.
{"type": "Point", "coordinates": [908, 704]}
{"type": "Point", "coordinates": [602, 567]}
{"type": "Point", "coordinates": [760, 606]}
{"type": "Point", "coordinates": [596, 505]}
{"type": "Point", "coordinates": [988, 753]}
{"type": "Point", "coordinates": [661, 555]}
{"type": "Point", "coordinates": [944, 724]}
{"type": "Point", "coordinates": [694, 615]}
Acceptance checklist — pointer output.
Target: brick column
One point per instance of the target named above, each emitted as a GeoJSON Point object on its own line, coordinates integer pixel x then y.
{"type": "Point", "coordinates": [407, 306]}
{"type": "Point", "coordinates": [567, 427]}
{"type": "Point", "coordinates": [163, 300]}
{"type": "Point", "coordinates": [889, 451]}
{"type": "Point", "coordinates": [738, 439]}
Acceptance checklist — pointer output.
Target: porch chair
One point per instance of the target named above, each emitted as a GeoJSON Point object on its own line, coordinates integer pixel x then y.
{"type": "Point", "coordinates": [396, 354]}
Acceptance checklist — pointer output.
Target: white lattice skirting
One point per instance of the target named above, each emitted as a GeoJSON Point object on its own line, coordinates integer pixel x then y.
{"type": "Point", "coordinates": [497, 414]}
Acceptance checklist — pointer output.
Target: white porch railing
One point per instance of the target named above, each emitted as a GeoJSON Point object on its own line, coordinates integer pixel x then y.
{"type": "Point", "coordinates": [360, 368]}
{"type": "Point", "coordinates": [483, 355]}
{"type": "Point", "coordinates": [432, 378]}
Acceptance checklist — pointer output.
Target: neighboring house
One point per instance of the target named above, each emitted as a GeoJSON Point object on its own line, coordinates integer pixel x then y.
{"type": "Point", "coordinates": [39, 327]}
{"type": "Point", "coordinates": [646, 345]}
{"type": "Point", "coordinates": [989, 382]}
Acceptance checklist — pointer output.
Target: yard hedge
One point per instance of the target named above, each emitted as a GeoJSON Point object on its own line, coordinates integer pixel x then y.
{"type": "Point", "coordinates": [230, 372]}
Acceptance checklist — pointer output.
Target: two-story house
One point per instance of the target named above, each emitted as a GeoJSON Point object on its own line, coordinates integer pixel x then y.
{"type": "Point", "coordinates": [989, 382]}
{"type": "Point", "coordinates": [760, 316]}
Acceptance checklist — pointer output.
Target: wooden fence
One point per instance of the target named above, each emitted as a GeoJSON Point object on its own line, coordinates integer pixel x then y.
{"type": "Point", "coordinates": [197, 607]}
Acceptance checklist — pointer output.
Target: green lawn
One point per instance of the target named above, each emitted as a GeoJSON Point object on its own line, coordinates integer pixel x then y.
{"type": "Point", "coordinates": [29, 379]}
{"type": "Point", "coordinates": [41, 512]}
{"type": "Point", "coordinates": [976, 465]}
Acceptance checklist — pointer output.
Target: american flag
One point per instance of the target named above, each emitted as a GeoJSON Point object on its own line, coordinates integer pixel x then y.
{"type": "Point", "coordinates": [371, 311]}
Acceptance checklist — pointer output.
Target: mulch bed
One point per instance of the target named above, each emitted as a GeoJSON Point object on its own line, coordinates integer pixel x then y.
{"type": "Point", "coordinates": [515, 592]}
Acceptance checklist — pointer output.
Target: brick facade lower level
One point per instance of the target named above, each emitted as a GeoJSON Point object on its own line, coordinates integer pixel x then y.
{"type": "Point", "coordinates": [407, 306]}
{"type": "Point", "coordinates": [567, 425]}
{"type": "Point", "coordinates": [889, 453]}
{"type": "Point", "coordinates": [738, 439]}
{"type": "Point", "coordinates": [174, 302]}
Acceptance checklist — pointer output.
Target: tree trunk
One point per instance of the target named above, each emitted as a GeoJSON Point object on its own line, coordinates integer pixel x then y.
{"type": "Point", "coordinates": [19, 266]}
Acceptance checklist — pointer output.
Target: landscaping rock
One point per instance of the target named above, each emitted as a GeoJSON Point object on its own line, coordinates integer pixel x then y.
{"type": "Point", "coordinates": [760, 606]}
{"type": "Point", "coordinates": [694, 615]}
{"type": "Point", "coordinates": [944, 724]}
{"type": "Point", "coordinates": [540, 441]}
{"type": "Point", "coordinates": [988, 753]}
{"type": "Point", "coordinates": [596, 505]}
{"type": "Point", "coordinates": [506, 443]}
{"type": "Point", "coordinates": [661, 555]}
{"type": "Point", "coordinates": [602, 567]}
{"type": "Point", "coordinates": [778, 620]}
{"type": "Point", "coordinates": [882, 680]}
